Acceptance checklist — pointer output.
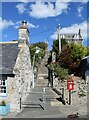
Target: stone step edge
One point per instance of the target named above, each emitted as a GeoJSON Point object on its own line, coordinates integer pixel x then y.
{"type": "Point", "coordinates": [42, 74]}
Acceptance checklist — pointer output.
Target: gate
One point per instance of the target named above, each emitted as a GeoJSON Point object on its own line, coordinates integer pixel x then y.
{"type": "Point", "coordinates": [30, 104]}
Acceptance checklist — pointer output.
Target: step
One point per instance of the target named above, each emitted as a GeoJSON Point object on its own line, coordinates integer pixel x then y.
{"type": "Point", "coordinates": [32, 103]}
{"type": "Point", "coordinates": [42, 75]}
{"type": "Point", "coordinates": [56, 103]}
{"type": "Point", "coordinates": [34, 92]}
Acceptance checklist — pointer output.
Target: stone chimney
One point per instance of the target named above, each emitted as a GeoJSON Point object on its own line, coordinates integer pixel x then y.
{"type": "Point", "coordinates": [23, 33]}
{"type": "Point", "coordinates": [24, 23]}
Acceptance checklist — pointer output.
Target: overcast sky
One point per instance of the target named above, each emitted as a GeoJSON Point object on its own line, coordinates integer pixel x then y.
{"type": "Point", "coordinates": [43, 19]}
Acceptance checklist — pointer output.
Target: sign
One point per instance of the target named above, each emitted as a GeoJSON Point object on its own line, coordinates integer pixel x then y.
{"type": "Point", "coordinates": [70, 84]}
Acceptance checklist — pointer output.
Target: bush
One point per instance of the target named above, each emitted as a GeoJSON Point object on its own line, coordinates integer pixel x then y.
{"type": "Point", "coordinates": [3, 103]}
{"type": "Point", "coordinates": [59, 71]}
{"type": "Point", "coordinates": [71, 56]}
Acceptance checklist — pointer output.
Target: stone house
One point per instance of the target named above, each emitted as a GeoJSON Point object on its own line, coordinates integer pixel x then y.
{"type": "Point", "coordinates": [16, 72]}
{"type": "Point", "coordinates": [72, 37]}
{"type": "Point", "coordinates": [69, 37]}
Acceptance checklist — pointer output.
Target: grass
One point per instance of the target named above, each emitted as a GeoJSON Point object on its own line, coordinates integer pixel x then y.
{"type": "Point", "coordinates": [73, 91]}
{"type": "Point", "coordinates": [81, 95]}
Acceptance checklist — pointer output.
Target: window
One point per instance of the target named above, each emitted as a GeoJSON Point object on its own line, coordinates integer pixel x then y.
{"type": "Point", "coordinates": [2, 87]}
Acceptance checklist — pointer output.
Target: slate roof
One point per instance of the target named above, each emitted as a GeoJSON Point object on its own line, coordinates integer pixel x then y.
{"type": "Point", "coordinates": [71, 36]}
{"type": "Point", "coordinates": [8, 56]}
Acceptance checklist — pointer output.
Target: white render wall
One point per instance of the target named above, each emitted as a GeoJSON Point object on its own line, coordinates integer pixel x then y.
{"type": "Point", "coordinates": [22, 80]}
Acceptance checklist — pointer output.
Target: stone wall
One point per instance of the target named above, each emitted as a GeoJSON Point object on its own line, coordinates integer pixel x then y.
{"type": "Point", "coordinates": [21, 83]}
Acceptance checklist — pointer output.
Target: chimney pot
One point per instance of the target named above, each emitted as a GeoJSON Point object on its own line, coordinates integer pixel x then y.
{"type": "Point", "coordinates": [24, 23]}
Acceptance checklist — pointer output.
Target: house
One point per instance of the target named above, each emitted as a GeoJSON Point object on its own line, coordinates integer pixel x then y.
{"type": "Point", "coordinates": [72, 37]}
{"type": "Point", "coordinates": [69, 37]}
{"type": "Point", "coordinates": [15, 69]}
{"type": "Point", "coordinates": [84, 67]}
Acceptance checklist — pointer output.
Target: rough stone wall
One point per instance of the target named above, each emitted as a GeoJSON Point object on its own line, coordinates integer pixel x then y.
{"type": "Point", "coordinates": [21, 83]}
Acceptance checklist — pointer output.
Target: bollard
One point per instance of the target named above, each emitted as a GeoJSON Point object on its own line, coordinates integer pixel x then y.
{"type": "Point", "coordinates": [20, 101]}
{"type": "Point", "coordinates": [69, 97]}
{"type": "Point", "coordinates": [43, 98]}
{"type": "Point", "coordinates": [62, 93]}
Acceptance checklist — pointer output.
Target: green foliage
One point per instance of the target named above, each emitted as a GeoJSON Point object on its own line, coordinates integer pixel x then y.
{"type": "Point", "coordinates": [71, 56]}
{"type": "Point", "coordinates": [3, 103]}
{"type": "Point", "coordinates": [59, 71]}
{"type": "Point", "coordinates": [78, 51]}
{"type": "Point", "coordinates": [41, 45]}
{"type": "Point", "coordinates": [82, 94]}
{"type": "Point", "coordinates": [87, 51]}
{"type": "Point", "coordinates": [63, 42]}
{"type": "Point", "coordinates": [36, 58]}
{"type": "Point", "coordinates": [73, 91]}
{"type": "Point", "coordinates": [40, 55]}
{"type": "Point", "coordinates": [55, 47]}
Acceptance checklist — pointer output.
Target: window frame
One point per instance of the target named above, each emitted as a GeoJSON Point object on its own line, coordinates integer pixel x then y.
{"type": "Point", "coordinates": [3, 87]}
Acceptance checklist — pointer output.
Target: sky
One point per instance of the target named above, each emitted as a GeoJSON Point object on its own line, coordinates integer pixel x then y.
{"type": "Point", "coordinates": [43, 19]}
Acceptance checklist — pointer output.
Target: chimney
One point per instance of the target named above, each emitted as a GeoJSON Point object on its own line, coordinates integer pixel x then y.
{"type": "Point", "coordinates": [79, 32]}
{"type": "Point", "coordinates": [24, 23]}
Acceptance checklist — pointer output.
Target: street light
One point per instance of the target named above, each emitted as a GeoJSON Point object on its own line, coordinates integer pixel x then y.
{"type": "Point", "coordinates": [36, 52]}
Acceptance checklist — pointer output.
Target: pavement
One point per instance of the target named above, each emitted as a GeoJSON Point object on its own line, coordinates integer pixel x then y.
{"type": "Point", "coordinates": [53, 107]}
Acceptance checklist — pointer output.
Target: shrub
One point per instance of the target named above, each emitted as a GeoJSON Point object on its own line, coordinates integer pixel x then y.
{"type": "Point", "coordinates": [3, 103]}
{"type": "Point", "coordinates": [71, 56]}
{"type": "Point", "coordinates": [59, 71]}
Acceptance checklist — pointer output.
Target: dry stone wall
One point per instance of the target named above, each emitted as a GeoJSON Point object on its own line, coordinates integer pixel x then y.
{"type": "Point", "coordinates": [21, 83]}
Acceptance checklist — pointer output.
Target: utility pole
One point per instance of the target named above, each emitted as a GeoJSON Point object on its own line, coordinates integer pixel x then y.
{"type": "Point", "coordinates": [46, 42]}
{"type": "Point", "coordinates": [59, 38]}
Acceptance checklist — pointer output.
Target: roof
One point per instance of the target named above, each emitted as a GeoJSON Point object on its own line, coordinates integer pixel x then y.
{"type": "Point", "coordinates": [8, 56]}
{"type": "Point", "coordinates": [71, 36]}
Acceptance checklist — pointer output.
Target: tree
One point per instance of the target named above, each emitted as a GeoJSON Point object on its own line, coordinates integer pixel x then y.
{"type": "Point", "coordinates": [37, 57]}
{"type": "Point", "coordinates": [40, 55]}
{"type": "Point", "coordinates": [71, 56]}
{"type": "Point", "coordinates": [63, 43]}
{"type": "Point", "coordinates": [41, 45]}
{"type": "Point", "coordinates": [55, 47]}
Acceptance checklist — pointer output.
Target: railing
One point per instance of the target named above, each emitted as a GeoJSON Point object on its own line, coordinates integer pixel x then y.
{"type": "Point", "coordinates": [41, 102]}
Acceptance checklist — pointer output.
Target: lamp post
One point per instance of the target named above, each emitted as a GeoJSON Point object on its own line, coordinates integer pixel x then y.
{"type": "Point", "coordinates": [36, 52]}
{"type": "Point", "coordinates": [46, 42]}
{"type": "Point", "coordinates": [58, 37]}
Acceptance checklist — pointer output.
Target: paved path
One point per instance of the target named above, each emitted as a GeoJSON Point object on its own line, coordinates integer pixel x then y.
{"type": "Point", "coordinates": [37, 111]}
{"type": "Point", "coordinates": [51, 111]}
{"type": "Point", "coordinates": [51, 108]}
{"type": "Point", "coordinates": [54, 108]}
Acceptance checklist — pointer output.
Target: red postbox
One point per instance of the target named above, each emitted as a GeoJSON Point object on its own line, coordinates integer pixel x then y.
{"type": "Point", "coordinates": [70, 84]}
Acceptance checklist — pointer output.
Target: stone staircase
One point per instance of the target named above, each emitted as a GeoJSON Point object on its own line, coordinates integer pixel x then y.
{"type": "Point", "coordinates": [42, 70]}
